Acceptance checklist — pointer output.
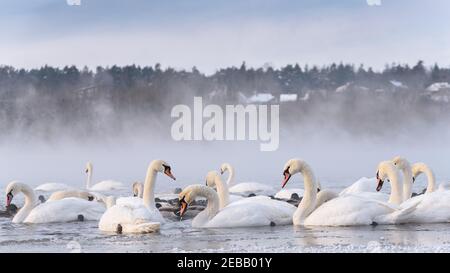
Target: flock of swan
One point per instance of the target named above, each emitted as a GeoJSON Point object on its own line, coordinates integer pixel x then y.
{"type": "Point", "coordinates": [219, 204]}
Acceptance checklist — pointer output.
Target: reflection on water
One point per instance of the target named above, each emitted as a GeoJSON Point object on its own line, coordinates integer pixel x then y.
{"type": "Point", "coordinates": [179, 236]}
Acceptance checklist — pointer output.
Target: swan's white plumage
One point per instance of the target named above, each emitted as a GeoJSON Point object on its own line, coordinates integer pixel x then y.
{"type": "Point", "coordinates": [58, 195]}
{"type": "Point", "coordinates": [248, 212]}
{"type": "Point", "coordinates": [364, 184]}
{"type": "Point", "coordinates": [365, 188]}
{"type": "Point", "coordinates": [287, 193]}
{"type": "Point", "coordinates": [65, 210]}
{"type": "Point", "coordinates": [51, 187]}
{"type": "Point", "coordinates": [433, 207]}
{"type": "Point", "coordinates": [252, 212]}
{"type": "Point", "coordinates": [107, 185]}
{"type": "Point", "coordinates": [348, 210]}
{"type": "Point", "coordinates": [132, 215]}
{"type": "Point", "coordinates": [246, 188]}
{"type": "Point", "coordinates": [234, 198]}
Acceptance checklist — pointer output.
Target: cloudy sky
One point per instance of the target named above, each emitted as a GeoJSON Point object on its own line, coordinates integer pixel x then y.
{"type": "Point", "coordinates": [218, 33]}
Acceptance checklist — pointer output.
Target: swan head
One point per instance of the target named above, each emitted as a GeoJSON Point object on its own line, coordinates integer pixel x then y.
{"type": "Point", "coordinates": [186, 196]}
{"type": "Point", "coordinates": [12, 190]}
{"type": "Point", "coordinates": [163, 167]}
{"type": "Point", "coordinates": [292, 167]}
{"type": "Point", "coordinates": [225, 167]}
{"type": "Point", "coordinates": [384, 168]}
{"type": "Point", "coordinates": [401, 163]}
{"type": "Point", "coordinates": [138, 188]}
{"type": "Point", "coordinates": [417, 169]}
{"type": "Point", "coordinates": [89, 168]}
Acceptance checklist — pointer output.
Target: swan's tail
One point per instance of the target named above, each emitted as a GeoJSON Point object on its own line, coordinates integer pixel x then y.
{"type": "Point", "coordinates": [149, 227]}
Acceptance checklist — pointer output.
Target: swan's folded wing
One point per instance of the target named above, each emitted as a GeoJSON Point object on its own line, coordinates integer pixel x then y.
{"type": "Point", "coordinates": [127, 214]}
{"type": "Point", "coordinates": [65, 210]}
{"type": "Point", "coordinates": [429, 208]}
{"type": "Point", "coordinates": [249, 214]}
{"type": "Point", "coordinates": [348, 210]}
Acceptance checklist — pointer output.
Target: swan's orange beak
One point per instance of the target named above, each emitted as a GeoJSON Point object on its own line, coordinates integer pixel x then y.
{"type": "Point", "coordinates": [183, 207]}
{"type": "Point", "coordinates": [169, 173]}
{"type": "Point", "coordinates": [380, 184]}
{"type": "Point", "coordinates": [9, 198]}
{"type": "Point", "coordinates": [287, 176]}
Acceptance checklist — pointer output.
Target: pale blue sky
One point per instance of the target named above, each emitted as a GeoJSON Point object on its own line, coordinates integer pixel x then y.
{"type": "Point", "coordinates": [218, 33]}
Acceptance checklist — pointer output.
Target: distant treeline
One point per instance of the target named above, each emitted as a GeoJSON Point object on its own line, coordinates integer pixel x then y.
{"type": "Point", "coordinates": [51, 97]}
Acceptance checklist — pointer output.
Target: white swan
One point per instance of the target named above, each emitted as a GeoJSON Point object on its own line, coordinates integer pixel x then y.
{"type": "Point", "coordinates": [136, 215]}
{"type": "Point", "coordinates": [348, 209]}
{"type": "Point", "coordinates": [65, 210]}
{"type": "Point", "coordinates": [106, 185]}
{"type": "Point", "coordinates": [431, 207]}
{"type": "Point", "coordinates": [52, 187]}
{"type": "Point", "coordinates": [247, 188]}
{"type": "Point", "coordinates": [404, 165]}
{"type": "Point", "coordinates": [237, 214]}
{"type": "Point", "coordinates": [286, 194]}
{"type": "Point", "coordinates": [213, 179]}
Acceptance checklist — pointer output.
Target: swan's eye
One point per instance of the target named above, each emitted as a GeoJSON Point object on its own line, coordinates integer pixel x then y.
{"type": "Point", "coordinates": [286, 171]}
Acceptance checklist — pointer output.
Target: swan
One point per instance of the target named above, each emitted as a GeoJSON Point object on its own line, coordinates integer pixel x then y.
{"type": "Point", "coordinates": [71, 193]}
{"type": "Point", "coordinates": [133, 214]}
{"type": "Point", "coordinates": [52, 187]}
{"type": "Point", "coordinates": [213, 178]}
{"type": "Point", "coordinates": [237, 214]}
{"type": "Point", "coordinates": [431, 207]}
{"type": "Point", "coordinates": [247, 188]}
{"type": "Point", "coordinates": [346, 210]}
{"type": "Point", "coordinates": [64, 210]}
{"type": "Point", "coordinates": [403, 165]}
{"type": "Point", "coordinates": [106, 185]}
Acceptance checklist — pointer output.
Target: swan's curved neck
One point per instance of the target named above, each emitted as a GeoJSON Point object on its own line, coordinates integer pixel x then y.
{"type": "Point", "coordinates": [213, 205]}
{"type": "Point", "coordinates": [149, 187]}
{"type": "Point", "coordinates": [140, 191]}
{"type": "Point", "coordinates": [308, 203]}
{"type": "Point", "coordinates": [407, 182]}
{"type": "Point", "coordinates": [431, 186]}
{"type": "Point", "coordinates": [396, 196]}
{"type": "Point", "coordinates": [230, 180]}
{"type": "Point", "coordinates": [222, 191]}
{"type": "Point", "coordinates": [30, 203]}
{"type": "Point", "coordinates": [88, 179]}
